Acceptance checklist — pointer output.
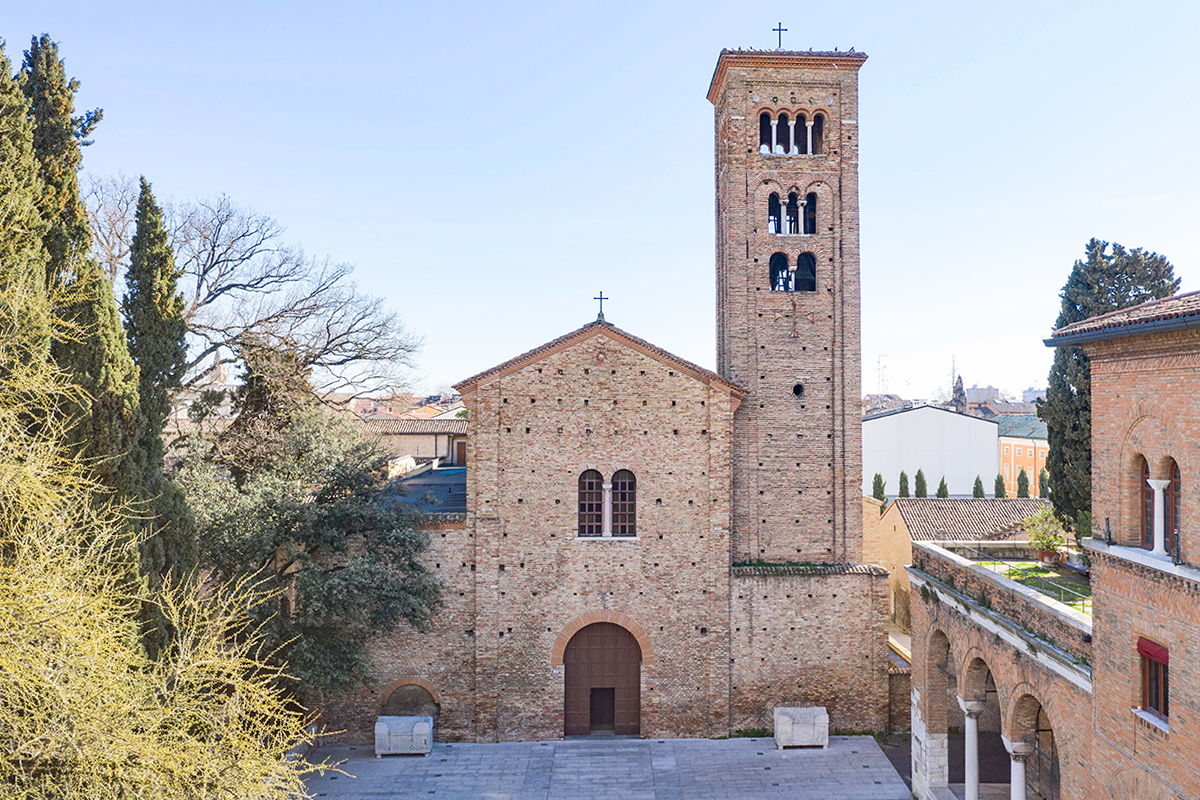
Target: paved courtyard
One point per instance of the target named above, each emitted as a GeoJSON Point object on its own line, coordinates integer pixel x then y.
{"type": "Point", "coordinates": [853, 768]}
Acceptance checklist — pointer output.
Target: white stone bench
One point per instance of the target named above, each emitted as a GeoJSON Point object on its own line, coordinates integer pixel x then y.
{"type": "Point", "coordinates": [403, 735]}
{"type": "Point", "coordinates": [801, 727]}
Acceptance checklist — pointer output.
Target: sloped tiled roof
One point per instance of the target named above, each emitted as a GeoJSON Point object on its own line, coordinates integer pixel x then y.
{"type": "Point", "coordinates": [1177, 307]}
{"type": "Point", "coordinates": [600, 327]}
{"type": "Point", "coordinates": [1022, 426]}
{"type": "Point", "coordinates": [965, 518]}
{"type": "Point", "coordinates": [386, 427]}
{"type": "Point", "coordinates": [766, 570]}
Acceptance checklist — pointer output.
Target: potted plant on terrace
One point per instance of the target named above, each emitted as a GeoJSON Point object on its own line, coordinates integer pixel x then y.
{"type": "Point", "coordinates": [1046, 536]}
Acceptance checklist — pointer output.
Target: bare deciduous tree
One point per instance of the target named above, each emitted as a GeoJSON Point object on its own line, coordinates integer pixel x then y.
{"type": "Point", "coordinates": [245, 287]}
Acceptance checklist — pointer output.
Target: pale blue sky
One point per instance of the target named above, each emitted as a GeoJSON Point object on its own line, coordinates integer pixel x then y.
{"type": "Point", "coordinates": [489, 167]}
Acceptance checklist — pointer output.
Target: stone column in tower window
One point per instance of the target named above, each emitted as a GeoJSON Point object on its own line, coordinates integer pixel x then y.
{"type": "Point", "coordinates": [808, 125]}
{"type": "Point", "coordinates": [792, 150]}
{"type": "Point", "coordinates": [775, 136]}
{"type": "Point", "coordinates": [607, 525]}
{"type": "Point", "coordinates": [800, 215]}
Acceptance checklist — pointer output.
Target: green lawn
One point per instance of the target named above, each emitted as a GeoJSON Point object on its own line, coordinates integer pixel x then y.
{"type": "Point", "coordinates": [1063, 585]}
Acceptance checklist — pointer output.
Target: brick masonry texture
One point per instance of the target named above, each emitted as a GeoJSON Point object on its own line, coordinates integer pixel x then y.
{"type": "Point", "coordinates": [722, 477]}
{"type": "Point", "coordinates": [1145, 404]}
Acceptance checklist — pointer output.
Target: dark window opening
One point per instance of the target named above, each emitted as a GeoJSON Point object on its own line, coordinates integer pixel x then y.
{"type": "Point", "coordinates": [764, 133]}
{"type": "Point", "coordinates": [1172, 496]}
{"type": "Point", "coordinates": [801, 135]}
{"type": "Point", "coordinates": [773, 211]}
{"type": "Point", "coordinates": [1155, 681]}
{"type": "Point", "coordinates": [818, 134]}
{"type": "Point", "coordinates": [781, 276]}
{"type": "Point", "coordinates": [624, 504]}
{"type": "Point", "coordinates": [1147, 507]}
{"type": "Point", "coordinates": [792, 225]}
{"type": "Point", "coordinates": [591, 503]}
{"type": "Point", "coordinates": [798, 390]}
{"type": "Point", "coordinates": [810, 213]}
{"type": "Point", "coordinates": [806, 273]}
{"type": "Point", "coordinates": [785, 135]}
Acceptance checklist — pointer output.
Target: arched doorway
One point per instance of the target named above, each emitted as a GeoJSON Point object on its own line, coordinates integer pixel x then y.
{"type": "Point", "coordinates": [603, 680]}
{"type": "Point", "coordinates": [1031, 725]}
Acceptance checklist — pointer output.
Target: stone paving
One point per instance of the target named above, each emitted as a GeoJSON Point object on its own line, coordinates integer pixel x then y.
{"type": "Point", "coordinates": [853, 768]}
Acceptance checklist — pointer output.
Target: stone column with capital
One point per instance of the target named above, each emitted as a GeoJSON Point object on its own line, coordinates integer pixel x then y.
{"type": "Point", "coordinates": [606, 514]}
{"type": "Point", "coordinates": [791, 137]}
{"type": "Point", "coordinates": [1019, 752]}
{"type": "Point", "coordinates": [973, 710]}
{"type": "Point", "coordinates": [808, 124]}
{"type": "Point", "coordinates": [774, 136]}
{"type": "Point", "coordinates": [1160, 548]}
{"type": "Point", "coordinates": [800, 215]}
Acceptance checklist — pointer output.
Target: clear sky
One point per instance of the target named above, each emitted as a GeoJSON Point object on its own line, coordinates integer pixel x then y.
{"type": "Point", "coordinates": [489, 167]}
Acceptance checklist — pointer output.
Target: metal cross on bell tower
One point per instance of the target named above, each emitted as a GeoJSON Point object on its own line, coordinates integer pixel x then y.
{"type": "Point", "coordinates": [601, 298]}
{"type": "Point", "coordinates": [780, 30]}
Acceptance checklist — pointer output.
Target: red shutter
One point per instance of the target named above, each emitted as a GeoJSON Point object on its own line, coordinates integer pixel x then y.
{"type": "Point", "coordinates": [1153, 651]}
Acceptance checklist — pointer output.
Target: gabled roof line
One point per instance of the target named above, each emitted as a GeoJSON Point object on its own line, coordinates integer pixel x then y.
{"type": "Point", "coordinates": [592, 329]}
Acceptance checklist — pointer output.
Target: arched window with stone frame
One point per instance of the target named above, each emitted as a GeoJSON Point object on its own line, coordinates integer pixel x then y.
{"type": "Point", "coordinates": [806, 273]}
{"type": "Point", "coordinates": [810, 213]}
{"type": "Point", "coordinates": [801, 141]}
{"type": "Point", "coordinates": [591, 503]}
{"type": "Point", "coordinates": [764, 133]}
{"type": "Point", "coordinates": [774, 214]}
{"type": "Point", "coordinates": [624, 503]}
{"type": "Point", "coordinates": [818, 134]}
{"type": "Point", "coordinates": [1172, 502]}
{"type": "Point", "coordinates": [781, 276]}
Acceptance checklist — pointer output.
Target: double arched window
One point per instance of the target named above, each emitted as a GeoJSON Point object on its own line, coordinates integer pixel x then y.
{"type": "Point", "coordinates": [793, 215]}
{"type": "Point", "coordinates": [802, 279]}
{"type": "Point", "coordinates": [1172, 505]}
{"type": "Point", "coordinates": [608, 509]}
{"type": "Point", "coordinates": [791, 135]}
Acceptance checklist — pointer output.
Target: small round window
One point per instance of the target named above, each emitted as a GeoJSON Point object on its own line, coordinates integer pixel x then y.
{"type": "Point", "coordinates": [798, 390]}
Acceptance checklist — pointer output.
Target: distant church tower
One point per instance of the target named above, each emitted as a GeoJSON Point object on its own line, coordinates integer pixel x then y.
{"type": "Point", "coordinates": [788, 299]}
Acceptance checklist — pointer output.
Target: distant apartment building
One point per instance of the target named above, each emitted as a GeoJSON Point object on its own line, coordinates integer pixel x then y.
{"type": "Point", "coordinates": [1022, 444]}
{"type": "Point", "coordinates": [943, 443]}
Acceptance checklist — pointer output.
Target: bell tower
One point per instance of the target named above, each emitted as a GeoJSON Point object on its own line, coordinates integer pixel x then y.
{"type": "Point", "coordinates": [786, 130]}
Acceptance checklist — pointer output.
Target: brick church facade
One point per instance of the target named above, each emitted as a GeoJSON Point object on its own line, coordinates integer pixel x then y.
{"type": "Point", "coordinates": [651, 548]}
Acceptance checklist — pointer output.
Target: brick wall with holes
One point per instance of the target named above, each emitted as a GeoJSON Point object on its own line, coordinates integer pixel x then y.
{"type": "Point", "coordinates": [805, 636]}
{"type": "Point", "coordinates": [798, 435]}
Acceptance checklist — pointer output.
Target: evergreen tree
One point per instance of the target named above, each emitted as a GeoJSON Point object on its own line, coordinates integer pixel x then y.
{"type": "Point", "coordinates": [922, 488]}
{"type": "Point", "coordinates": [999, 487]}
{"type": "Point", "coordinates": [1043, 484]}
{"type": "Point", "coordinates": [878, 490]}
{"type": "Point", "coordinates": [155, 330]}
{"type": "Point", "coordinates": [1104, 281]}
{"type": "Point", "coordinates": [977, 491]}
{"type": "Point", "coordinates": [903, 484]}
{"type": "Point", "coordinates": [959, 395]}
{"type": "Point", "coordinates": [22, 256]}
{"type": "Point", "coordinates": [943, 491]}
{"type": "Point", "coordinates": [92, 350]}
{"type": "Point", "coordinates": [1022, 483]}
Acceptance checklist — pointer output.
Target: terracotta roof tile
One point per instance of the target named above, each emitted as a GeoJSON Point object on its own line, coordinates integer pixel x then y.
{"type": "Point", "coordinates": [393, 427]}
{"type": "Point", "coordinates": [809, 569]}
{"type": "Point", "coordinates": [965, 518]}
{"type": "Point", "coordinates": [1174, 307]}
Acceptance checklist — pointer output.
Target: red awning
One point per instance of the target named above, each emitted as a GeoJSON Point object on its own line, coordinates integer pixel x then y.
{"type": "Point", "coordinates": [1153, 651]}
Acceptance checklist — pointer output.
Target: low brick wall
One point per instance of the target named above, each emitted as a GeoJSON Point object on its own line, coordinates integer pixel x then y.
{"type": "Point", "coordinates": [1064, 627]}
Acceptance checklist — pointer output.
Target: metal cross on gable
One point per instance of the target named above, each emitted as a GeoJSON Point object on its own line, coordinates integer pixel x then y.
{"type": "Point", "coordinates": [780, 29]}
{"type": "Point", "coordinates": [601, 298]}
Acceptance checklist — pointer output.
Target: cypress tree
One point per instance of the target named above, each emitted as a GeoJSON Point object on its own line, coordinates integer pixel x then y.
{"type": "Point", "coordinates": [977, 491]}
{"type": "Point", "coordinates": [1103, 282]}
{"type": "Point", "coordinates": [1022, 483]}
{"type": "Point", "coordinates": [1043, 484]}
{"type": "Point", "coordinates": [22, 256]}
{"type": "Point", "coordinates": [155, 330]}
{"type": "Point", "coordinates": [958, 395]}
{"type": "Point", "coordinates": [999, 487]}
{"type": "Point", "coordinates": [943, 491]}
{"type": "Point", "coordinates": [92, 350]}
{"type": "Point", "coordinates": [922, 488]}
{"type": "Point", "coordinates": [903, 484]}
{"type": "Point", "coordinates": [878, 488]}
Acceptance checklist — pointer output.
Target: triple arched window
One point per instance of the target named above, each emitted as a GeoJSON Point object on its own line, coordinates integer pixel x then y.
{"type": "Point", "coordinates": [802, 279]}
{"type": "Point", "coordinates": [1172, 491]}
{"type": "Point", "coordinates": [791, 135]}
{"type": "Point", "coordinates": [792, 216]}
{"type": "Point", "coordinates": [608, 509]}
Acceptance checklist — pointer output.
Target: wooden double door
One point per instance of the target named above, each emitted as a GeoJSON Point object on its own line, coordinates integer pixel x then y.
{"type": "Point", "coordinates": [603, 675]}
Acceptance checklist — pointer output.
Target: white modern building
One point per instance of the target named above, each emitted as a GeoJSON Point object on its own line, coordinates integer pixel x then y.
{"type": "Point", "coordinates": [941, 442]}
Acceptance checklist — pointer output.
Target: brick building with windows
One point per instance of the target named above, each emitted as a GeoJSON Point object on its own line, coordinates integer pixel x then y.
{"type": "Point", "coordinates": [652, 548]}
{"type": "Point", "coordinates": [1092, 697]}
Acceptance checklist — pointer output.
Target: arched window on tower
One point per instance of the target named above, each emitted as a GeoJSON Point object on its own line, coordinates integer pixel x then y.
{"type": "Point", "coordinates": [591, 503]}
{"type": "Point", "coordinates": [810, 212]}
{"type": "Point", "coordinates": [801, 140]}
{"type": "Point", "coordinates": [624, 504]}
{"type": "Point", "coordinates": [784, 135]}
{"type": "Point", "coordinates": [781, 276]}
{"type": "Point", "coordinates": [1172, 500]}
{"type": "Point", "coordinates": [1147, 504]}
{"type": "Point", "coordinates": [806, 273]}
{"type": "Point", "coordinates": [792, 224]}
{"type": "Point", "coordinates": [818, 134]}
{"type": "Point", "coordinates": [764, 133]}
{"type": "Point", "coordinates": [773, 210]}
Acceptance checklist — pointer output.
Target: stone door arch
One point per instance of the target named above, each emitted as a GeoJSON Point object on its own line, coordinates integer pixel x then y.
{"type": "Point", "coordinates": [602, 693]}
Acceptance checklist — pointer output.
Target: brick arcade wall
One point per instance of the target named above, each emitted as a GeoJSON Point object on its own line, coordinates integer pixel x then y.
{"type": "Point", "coordinates": [810, 636]}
